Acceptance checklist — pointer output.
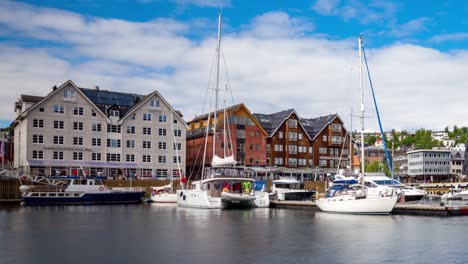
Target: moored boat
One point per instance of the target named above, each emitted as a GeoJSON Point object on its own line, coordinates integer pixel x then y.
{"type": "Point", "coordinates": [80, 191]}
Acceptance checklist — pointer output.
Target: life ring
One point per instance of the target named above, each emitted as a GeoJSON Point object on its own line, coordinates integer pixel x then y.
{"type": "Point", "coordinates": [101, 188]}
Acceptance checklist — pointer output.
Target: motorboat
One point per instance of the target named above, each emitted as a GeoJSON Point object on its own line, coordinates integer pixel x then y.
{"type": "Point", "coordinates": [288, 189]}
{"type": "Point", "coordinates": [410, 193]}
{"type": "Point", "coordinates": [455, 194]}
{"type": "Point", "coordinates": [75, 190]}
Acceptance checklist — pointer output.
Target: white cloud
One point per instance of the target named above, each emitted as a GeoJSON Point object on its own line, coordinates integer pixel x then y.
{"type": "Point", "coordinates": [202, 3]}
{"type": "Point", "coordinates": [410, 27]}
{"type": "Point", "coordinates": [373, 11]}
{"type": "Point", "coordinates": [268, 71]}
{"type": "Point", "coordinates": [460, 36]}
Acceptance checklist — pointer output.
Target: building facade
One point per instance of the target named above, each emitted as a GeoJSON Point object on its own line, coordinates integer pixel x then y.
{"type": "Point", "coordinates": [100, 132]}
{"type": "Point", "coordinates": [245, 139]}
{"type": "Point", "coordinates": [457, 161]}
{"type": "Point", "coordinates": [429, 165]}
{"type": "Point", "coordinates": [288, 144]}
{"type": "Point", "coordinates": [330, 142]}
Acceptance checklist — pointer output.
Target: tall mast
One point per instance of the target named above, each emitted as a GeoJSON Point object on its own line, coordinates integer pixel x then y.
{"type": "Point", "coordinates": [362, 110]}
{"type": "Point", "coordinates": [351, 144]}
{"type": "Point", "coordinates": [172, 151]}
{"type": "Point", "coordinates": [218, 51]}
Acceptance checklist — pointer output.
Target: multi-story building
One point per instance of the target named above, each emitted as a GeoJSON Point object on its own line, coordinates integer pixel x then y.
{"type": "Point", "coordinates": [100, 131]}
{"type": "Point", "coordinates": [244, 137]}
{"type": "Point", "coordinates": [429, 165]}
{"type": "Point", "coordinates": [457, 160]}
{"type": "Point", "coordinates": [6, 148]}
{"type": "Point", "coordinates": [288, 144]}
{"type": "Point", "coordinates": [330, 141]}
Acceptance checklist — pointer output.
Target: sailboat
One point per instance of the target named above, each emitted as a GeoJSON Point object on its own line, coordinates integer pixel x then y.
{"type": "Point", "coordinates": [223, 185]}
{"type": "Point", "coordinates": [166, 194]}
{"type": "Point", "coordinates": [347, 196]}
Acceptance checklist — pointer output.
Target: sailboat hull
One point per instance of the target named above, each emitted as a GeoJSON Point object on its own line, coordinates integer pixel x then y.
{"type": "Point", "coordinates": [164, 198]}
{"type": "Point", "coordinates": [197, 199]}
{"type": "Point", "coordinates": [351, 205]}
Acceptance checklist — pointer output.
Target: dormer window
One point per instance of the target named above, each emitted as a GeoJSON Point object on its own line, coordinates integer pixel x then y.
{"type": "Point", "coordinates": [114, 113]}
{"type": "Point", "coordinates": [154, 103]}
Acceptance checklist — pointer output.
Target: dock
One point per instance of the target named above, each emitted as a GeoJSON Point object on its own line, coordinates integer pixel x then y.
{"type": "Point", "coordinates": [429, 210]}
{"type": "Point", "coordinates": [309, 205]}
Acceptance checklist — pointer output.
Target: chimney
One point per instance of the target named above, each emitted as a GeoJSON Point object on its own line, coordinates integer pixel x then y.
{"type": "Point", "coordinates": [54, 88]}
{"type": "Point", "coordinates": [97, 88]}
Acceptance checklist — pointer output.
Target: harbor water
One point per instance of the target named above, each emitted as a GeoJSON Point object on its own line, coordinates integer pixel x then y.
{"type": "Point", "coordinates": [150, 233]}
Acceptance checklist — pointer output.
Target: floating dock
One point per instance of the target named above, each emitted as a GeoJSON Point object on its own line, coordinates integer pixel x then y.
{"type": "Point", "coordinates": [309, 205]}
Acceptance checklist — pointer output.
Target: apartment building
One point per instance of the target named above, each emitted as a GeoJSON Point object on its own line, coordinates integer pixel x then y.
{"type": "Point", "coordinates": [245, 139]}
{"type": "Point", "coordinates": [103, 132]}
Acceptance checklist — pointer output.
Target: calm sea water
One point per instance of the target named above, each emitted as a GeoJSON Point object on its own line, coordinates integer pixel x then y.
{"type": "Point", "coordinates": [149, 233]}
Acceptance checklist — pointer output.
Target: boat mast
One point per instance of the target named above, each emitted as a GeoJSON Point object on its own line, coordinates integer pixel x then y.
{"type": "Point", "coordinates": [218, 53]}
{"type": "Point", "coordinates": [172, 152]}
{"type": "Point", "coordinates": [362, 111]}
{"type": "Point", "coordinates": [351, 144]}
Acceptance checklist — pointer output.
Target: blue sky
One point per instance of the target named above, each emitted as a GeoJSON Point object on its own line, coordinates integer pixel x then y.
{"type": "Point", "coordinates": [418, 53]}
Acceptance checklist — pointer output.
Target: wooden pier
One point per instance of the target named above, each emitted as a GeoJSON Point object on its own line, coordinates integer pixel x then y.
{"type": "Point", "coordinates": [430, 210]}
{"type": "Point", "coordinates": [9, 191]}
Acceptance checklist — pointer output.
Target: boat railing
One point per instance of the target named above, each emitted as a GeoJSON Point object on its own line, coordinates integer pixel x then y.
{"type": "Point", "coordinates": [47, 188]}
{"type": "Point", "coordinates": [128, 189]}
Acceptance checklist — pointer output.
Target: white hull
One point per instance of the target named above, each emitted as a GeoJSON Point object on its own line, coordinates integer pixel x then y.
{"type": "Point", "coordinates": [349, 205]}
{"type": "Point", "coordinates": [197, 199]}
{"type": "Point", "coordinates": [262, 199]}
{"type": "Point", "coordinates": [164, 198]}
{"type": "Point", "coordinates": [455, 196]}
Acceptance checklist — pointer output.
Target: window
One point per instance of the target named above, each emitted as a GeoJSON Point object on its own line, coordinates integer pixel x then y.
{"type": "Point", "coordinates": [292, 136]}
{"type": "Point", "coordinates": [147, 131]}
{"type": "Point", "coordinates": [278, 161]}
{"type": "Point", "coordinates": [280, 134]}
{"type": "Point", "coordinates": [302, 162]}
{"type": "Point", "coordinates": [96, 156]}
{"type": "Point", "coordinates": [115, 113]}
{"type": "Point", "coordinates": [58, 155]}
{"type": "Point", "coordinates": [58, 124]}
{"type": "Point", "coordinates": [257, 133]}
{"type": "Point", "coordinates": [130, 143]}
{"type": "Point", "coordinates": [133, 117]}
{"type": "Point", "coordinates": [78, 110]}
{"type": "Point", "coordinates": [162, 132]}
{"type": "Point", "coordinates": [323, 150]}
{"type": "Point", "coordinates": [267, 147]}
{"type": "Point", "coordinates": [240, 133]}
{"type": "Point", "coordinates": [93, 113]}
{"type": "Point", "coordinates": [162, 145]}
{"type": "Point", "coordinates": [177, 132]}
{"type": "Point", "coordinates": [322, 163]}
{"type": "Point", "coordinates": [130, 158]}
{"type": "Point", "coordinates": [77, 155]}
{"type": "Point", "coordinates": [292, 162]}
{"type": "Point", "coordinates": [311, 150]}
{"type": "Point", "coordinates": [146, 144]}
{"type": "Point", "coordinates": [146, 117]}
{"type": "Point", "coordinates": [177, 146]}
{"type": "Point", "coordinates": [38, 139]}
{"type": "Point", "coordinates": [162, 118]}
{"type": "Point", "coordinates": [324, 138]}
{"type": "Point", "coordinates": [177, 159]}
{"type": "Point", "coordinates": [278, 147]}
{"type": "Point", "coordinates": [96, 142]}
{"type": "Point", "coordinates": [130, 129]}
{"type": "Point", "coordinates": [58, 140]}
{"type": "Point", "coordinates": [257, 147]}
{"type": "Point", "coordinates": [77, 141]}
{"type": "Point", "coordinates": [113, 129]}
{"type": "Point", "coordinates": [162, 159]}
{"type": "Point", "coordinates": [113, 157]}
{"type": "Point", "coordinates": [292, 123]}
{"type": "Point", "coordinates": [59, 109]}
{"type": "Point", "coordinates": [113, 143]}
{"type": "Point", "coordinates": [146, 158]}
{"type": "Point", "coordinates": [175, 121]}
{"type": "Point", "coordinates": [336, 127]}
{"type": "Point", "coordinates": [38, 154]}
{"type": "Point", "coordinates": [78, 126]}
{"type": "Point", "coordinates": [38, 123]}
{"type": "Point", "coordinates": [336, 139]}
{"type": "Point", "coordinates": [96, 127]}
{"type": "Point", "coordinates": [154, 103]}
{"type": "Point", "coordinates": [292, 149]}
{"type": "Point", "coordinates": [69, 93]}
{"type": "Point", "coordinates": [41, 109]}
{"type": "Point", "coordinates": [299, 136]}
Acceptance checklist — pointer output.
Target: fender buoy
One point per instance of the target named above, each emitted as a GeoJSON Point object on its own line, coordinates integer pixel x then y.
{"type": "Point", "coordinates": [101, 188]}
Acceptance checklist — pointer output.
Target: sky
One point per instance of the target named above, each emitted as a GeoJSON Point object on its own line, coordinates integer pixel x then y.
{"type": "Point", "coordinates": [276, 55]}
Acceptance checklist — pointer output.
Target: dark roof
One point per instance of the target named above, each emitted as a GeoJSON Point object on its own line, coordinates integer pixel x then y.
{"type": "Point", "coordinates": [104, 99]}
{"type": "Point", "coordinates": [457, 155]}
{"type": "Point", "coordinates": [271, 122]}
{"type": "Point", "coordinates": [314, 125]}
{"type": "Point", "coordinates": [31, 98]}
{"type": "Point", "coordinates": [198, 132]}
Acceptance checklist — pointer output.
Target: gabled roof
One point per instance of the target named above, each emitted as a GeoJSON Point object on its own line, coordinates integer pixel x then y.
{"type": "Point", "coordinates": [31, 98]}
{"type": "Point", "coordinates": [314, 126]}
{"type": "Point", "coordinates": [272, 122]}
{"type": "Point", "coordinates": [229, 112]}
{"type": "Point", "coordinates": [457, 155]}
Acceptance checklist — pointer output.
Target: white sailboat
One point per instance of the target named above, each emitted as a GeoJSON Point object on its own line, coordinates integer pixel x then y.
{"type": "Point", "coordinates": [352, 198]}
{"type": "Point", "coordinates": [222, 185]}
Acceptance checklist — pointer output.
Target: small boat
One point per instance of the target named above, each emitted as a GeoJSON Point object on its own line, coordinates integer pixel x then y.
{"type": "Point", "coordinates": [163, 194]}
{"type": "Point", "coordinates": [410, 193]}
{"type": "Point", "coordinates": [76, 191]}
{"type": "Point", "coordinates": [288, 189]}
{"type": "Point", "coordinates": [455, 194]}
